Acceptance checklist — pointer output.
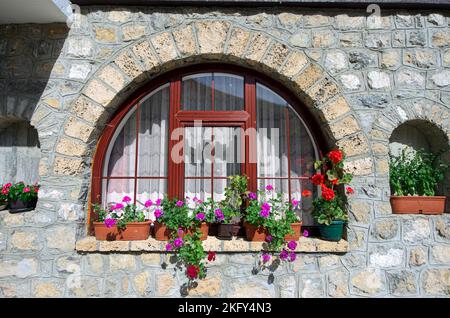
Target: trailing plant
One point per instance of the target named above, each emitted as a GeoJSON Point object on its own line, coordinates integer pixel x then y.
{"type": "Point", "coordinates": [271, 211]}
{"type": "Point", "coordinates": [331, 177]}
{"type": "Point", "coordinates": [175, 214]}
{"type": "Point", "coordinates": [119, 214]}
{"type": "Point", "coordinates": [416, 173]}
{"type": "Point", "coordinates": [20, 191]}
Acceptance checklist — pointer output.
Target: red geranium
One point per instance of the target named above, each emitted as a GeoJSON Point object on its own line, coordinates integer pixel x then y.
{"type": "Point", "coordinates": [317, 179]}
{"type": "Point", "coordinates": [335, 156]}
{"type": "Point", "coordinates": [334, 181]}
{"type": "Point", "coordinates": [211, 256]}
{"type": "Point", "coordinates": [306, 193]}
{"type": "Point", "coordinates": [327, 193]}
{"type": "Point", "coordinates": [350, 190]}
{"type": "Point", "coordinates": [192, 271]}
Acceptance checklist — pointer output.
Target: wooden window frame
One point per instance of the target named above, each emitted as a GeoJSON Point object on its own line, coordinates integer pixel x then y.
{"type": "Point", "coordinates": [181, 118]}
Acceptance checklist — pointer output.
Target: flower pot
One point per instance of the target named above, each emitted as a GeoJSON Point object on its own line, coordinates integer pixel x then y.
{"type": "Point", "coordinates": [225, 231]}
{"type": "Point", "coordinates": [418, 204]}
{"type": "Point", "coordinates": [297, 228]}
{"type": "Point", "coordinates": [135, 231]}
{"type": "Point", "coordinates": [204, 228]}
{"type": "Point", "coordinates": [161, 232]}
{"type": "Point", "coordinates": [255, 233]}
{"type": "Point", "coordinates": [20, 206]}
{"type": "Point", "coordinates": [332, 232]}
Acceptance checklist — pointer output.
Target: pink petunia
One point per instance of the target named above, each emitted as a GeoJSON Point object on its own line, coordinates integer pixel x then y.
{"type": "Point", "coordinates": [126, 199]}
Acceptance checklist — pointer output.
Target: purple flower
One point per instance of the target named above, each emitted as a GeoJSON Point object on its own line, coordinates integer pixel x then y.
{"type": "Point", "coordinates": [178, 242]}
{"type": "Point", "coordinates": [195, 199]}
{"type": "Point", "coordinates": [158, 202]}
{"type": "Point", "coordinates": [110, 222]}
{"type": "Point", "coordinates": [148, 203]}
{"type": "Point", "coordinates": [265, 206]}
{"type": "Point", "coordinates": [219, 215]}
{"type": "Point", "coordinates": [126, 199]}
{"type": "Point", "coordinates": [265, 258]}
{"type": "Point", "coordinates": [180, 203]}
{"type": "Point", "coordinates": [118, 206]}
{"type": "Point", "coordinates": [264, 213]}
{"type": "Point", "coordinates": [292, 256]}
{"type": "Point", "coordinates": [295, 202]}
{"type": "Point", "coordinates": [169, 247]}
{"type": "Point", "coordinates": [284, 255]}
{"type": "Point", "coordinates": [269, 187]}
{"type": "Point", "coordinates": [305, 233]}
{"type": "Point", "coordinates": [158, 213]}
{"type": "Point", "coordinates": [269, 238]}
{"type": "Point", "coordinates": [200, 216]}
{"type": "Point", "coordinates": [292, 245]}
{"type": "Point", "coordinates": [252, 196]}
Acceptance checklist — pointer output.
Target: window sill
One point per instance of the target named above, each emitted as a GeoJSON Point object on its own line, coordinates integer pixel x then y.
{"type": "Point", "coordinates": [236, 245]}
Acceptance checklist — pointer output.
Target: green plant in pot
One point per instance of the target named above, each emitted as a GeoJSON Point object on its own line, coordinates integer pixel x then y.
{"type": "Point", "coordinates": [228, 212]}
{"type": "Point", "coordinates": [21, 197]}
{"type": "Point", "coordinates": [414, 177]}
{"type": "Point", "coordinates": [329, 209]}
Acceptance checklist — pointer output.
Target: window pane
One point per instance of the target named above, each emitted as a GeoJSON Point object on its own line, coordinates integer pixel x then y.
{"type": "Point", "coordinates": [150, 189]}
{"type": "Point", "coordinates": [228, 152]}
{"type": "Point", "coordinates": [200, 188]}
{"type": "Point", "coordinates": [302, 148]}
{"type": "Point", "coordinates": [153, 134]}
{"type": "Point", "coordinates": [197, 151]}
{"type": "Point", "coordinates": [197, 92]}
{"type": "Point", "coordinates": [116, 189]}
{"type": "Point", "coordinates": [123, 154]}
{"type": "Point", "coordinates": [297, 188]}
{"type": "Point", "coordinates": [219, 188]}
{"type": "Point", "coordinates": [279, 185]}
{"type": "Point", "coordinates": [228, 92]}
{"type": "Point", "coordinates": [271, 127]}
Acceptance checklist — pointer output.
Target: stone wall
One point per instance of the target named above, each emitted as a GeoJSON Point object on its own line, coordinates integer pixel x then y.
{"type": "Point", "coordinates": [359, 76]}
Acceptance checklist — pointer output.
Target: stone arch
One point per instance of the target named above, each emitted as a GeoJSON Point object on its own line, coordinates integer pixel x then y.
{"type": "Point", "coordinates": [200, 42]}
{"type": "Point", "coordinates": [423, 110]}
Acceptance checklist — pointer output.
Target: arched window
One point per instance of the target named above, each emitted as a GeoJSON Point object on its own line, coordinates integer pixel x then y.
{"type": "Point", "coordinates": [187, 132]}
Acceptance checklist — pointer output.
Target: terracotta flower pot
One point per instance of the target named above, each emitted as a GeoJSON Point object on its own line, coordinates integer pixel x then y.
{"type": "Point", "coordinates": [297, 227]}
{"type": "Point", "coordinates": [255, 233]}
{"type": "Point", "coordinates": [135, 231]}
{"type": "Point", "coordinates": [418, 204]}
{"type": "Point", "coordinates": [162, 233]}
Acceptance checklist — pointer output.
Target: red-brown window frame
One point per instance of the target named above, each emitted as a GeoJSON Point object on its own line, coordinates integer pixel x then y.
{"type": "Point", "coordinates": [179, 118]}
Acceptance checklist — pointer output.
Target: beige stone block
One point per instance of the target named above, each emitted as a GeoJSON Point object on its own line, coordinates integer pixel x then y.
{"type": "Point", "coordinates": [113, 77]}
{"type": "Point", "coordinates": [99, 92]}
{"type": "Point", "coordinates": [107, 35]}
{"type": "Point", "coordinates": [142, 283]}
{"type": "Point", "coordinates": [238, 42]}
{"type": "Point", "coordinates": [323, 91]}
{"type": "Point", "coordinates": [129, 66]}
{"type": "Point", "coordinates": [185, 40]}
{"type": "Point", "coordinates": [77, 129]}
{"type": "Point", "coordinates": [70, 147]}
{"type": "Point", "coordinates": [355, 145]}
{"type": "Point", "coordinates": [208, 287]}
{"type": "Point", "coordinates": [165, 284]}
{"type": "Point", "coordinates": [145, 53]}
{"type": "Point", "coordinates": [311, 74]}
{"type": "Point", "coordinates": [68, 167]}
{"type": "Point", "coordinates": [47, 290]}
{"type": "Point", "coordinates": [87, 244]}
{"type": "Point", "coordinates": [164, 47]}
{"type": "Point", "coordinates": [359, 167]}
{"type": "Point", "coordinates": [114, 246]}
{"type": "Point", "coordinates": [335, 109]}
{"type": "Point", "coordinates": [133, 32]}
{"type": "Point", "coordinates": [212, 36]}
{"type": "Point", "coordinates": [276, 55]}
{"type": "Point", "coordinates": [344, 127]}
{"type": "Point", "coordinates": [122, 262]}
{"type": "Point", "coordinates": [295, 62]}
{"type": "Point", "coordinates": [87, 110]}
{"type": "Point", "coordinates": [24, 241]}
{"type": "Point", "coordinates": [258, 46]}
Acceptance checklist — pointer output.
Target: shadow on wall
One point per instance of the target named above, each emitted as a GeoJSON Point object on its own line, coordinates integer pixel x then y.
{"type": "Point", "coordinates": [422, 134]}
{"type": "Point", "coordinates": [27, 57]}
